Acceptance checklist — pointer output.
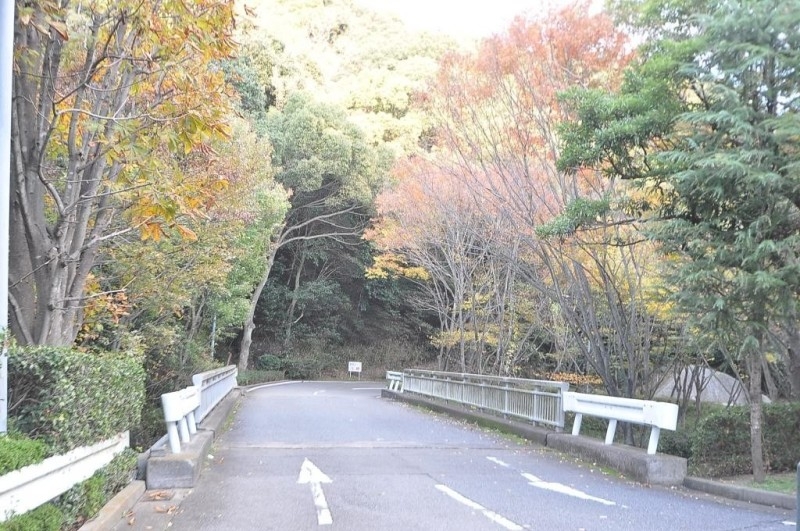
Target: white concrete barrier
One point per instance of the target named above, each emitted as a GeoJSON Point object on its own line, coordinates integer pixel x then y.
{"type": "Point", "coordinates": [657, 415]}
{"type": "Point", "coordinates": [29, 487]}
{"type": "Point", "coordinates": [179, 408]}
{"type": "Point", "coordinates": [394, 380]}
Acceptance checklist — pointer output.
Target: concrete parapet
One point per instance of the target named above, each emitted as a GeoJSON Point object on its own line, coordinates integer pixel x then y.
{"type": "Point", "coordinates": [633, 463]}
{"type": "Point", "coordinates": [165, 470]}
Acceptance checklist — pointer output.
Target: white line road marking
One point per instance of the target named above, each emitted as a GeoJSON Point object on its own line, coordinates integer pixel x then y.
{"type": "Point", "coordinates": [309, 473]}
{"type": "Point", "coordinates": [787, 522]}
{"type": "Point", "coordinates": [276, 384]}
{"type": "Point", "coordinates": [563, 489]}
{"type": "Point", "coordinates": [498, 462]}
{"type": "Point", "coordinates": [491, 515]}
{"type": "Point", "coordinates": [319, 392]}
{"type": "Point", "coordinates": [369, 388]}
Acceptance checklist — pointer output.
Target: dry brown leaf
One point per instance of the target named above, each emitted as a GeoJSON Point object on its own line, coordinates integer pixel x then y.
{"type": "Point", "coordinates": [160, 495]}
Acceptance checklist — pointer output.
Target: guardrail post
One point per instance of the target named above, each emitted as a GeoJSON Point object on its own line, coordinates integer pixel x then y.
{"type": "Point", "coordinates": [505, 398]}
{"type": "Point", "coordinates": [797, 521]}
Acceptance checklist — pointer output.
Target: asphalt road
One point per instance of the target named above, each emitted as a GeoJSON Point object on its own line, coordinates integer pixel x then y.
{"type": "Point", "coordinates": [334, 455]}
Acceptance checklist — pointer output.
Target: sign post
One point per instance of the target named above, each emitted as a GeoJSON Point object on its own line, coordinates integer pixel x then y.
{"type": "Point", "coordinates": [354, 367]}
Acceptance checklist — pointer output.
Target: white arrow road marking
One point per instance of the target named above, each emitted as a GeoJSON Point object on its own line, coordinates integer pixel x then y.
{"type": "Point", "coordinates": [563, 489]}
{"type": "Point", "coordinates": [309, 473]}
{"type": "Point", "coordinates": [491, 515]}
{"type": "Point", "coordinates": [498, 462]}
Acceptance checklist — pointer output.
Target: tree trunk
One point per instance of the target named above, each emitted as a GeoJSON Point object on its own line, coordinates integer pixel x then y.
{"type": "Point", "coordinates": [249, 323]}
{"type": "Point", "coordinates": [793, 357]}
{"type": "Point", "coordinates": [293, 305]}
{"type": "Point", "coordinates": [756, 438]}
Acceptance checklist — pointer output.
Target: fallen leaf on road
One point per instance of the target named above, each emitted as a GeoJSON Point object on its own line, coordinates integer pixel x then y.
{"type": "Point", "coordinates": [160, 495]}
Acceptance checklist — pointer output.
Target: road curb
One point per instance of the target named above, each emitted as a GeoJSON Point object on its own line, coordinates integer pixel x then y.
{"type": "Point", "coordinates": [740, 493]}
{"type": "Point", "coordinates": [115, 509]}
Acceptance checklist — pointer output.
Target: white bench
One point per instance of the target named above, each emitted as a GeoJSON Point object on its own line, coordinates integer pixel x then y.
{"type": "Point", "coordinates": [657, 415]}
{"type": "Point", "coordinates": [179, 408]}
{"type": "Point", "coordinates": [395, 380]}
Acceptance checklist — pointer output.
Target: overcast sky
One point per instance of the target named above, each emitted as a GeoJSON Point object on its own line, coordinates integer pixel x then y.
{"type": "Point", "coordinates": [469, 18]}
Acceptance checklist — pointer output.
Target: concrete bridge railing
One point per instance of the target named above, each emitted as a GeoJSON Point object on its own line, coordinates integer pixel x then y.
{"type": "Point", "coordinates": [214, 386]}
{"type": "Point", "coordinates": [186, 408]}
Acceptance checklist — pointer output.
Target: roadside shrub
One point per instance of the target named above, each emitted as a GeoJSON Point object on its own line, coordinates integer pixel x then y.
{"type": "Point", "coordinates": [256, 377]}
{"type": "Point", "coordinates": [721, 440]}
{"type": "Point", "coordinates": [269, 362]}
{"type": "Point", "coordinates": [782, 426]}
{"type": "Point", "coordinates": [48, 517]}
{"type": "Point", "coordinates": [71, 399]}
{"type": "Point", "coordinates": [17, 451]}
{"type": "Point", "coordinates": [721, 443]}
{"type": "Point", "coordinates": [678, 443]}
{"type": "Point", "coordinates": [84, 500]}
{"type": "Point", "coordinates": [119, 472]}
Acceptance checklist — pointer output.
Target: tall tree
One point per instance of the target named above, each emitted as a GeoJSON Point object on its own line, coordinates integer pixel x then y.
{"type": "Point", "coordinates": [497, 115]}
{"type": "Point", "coordinates": [333, 177]}
{"type": "Point", "coordinates": [107, 99]}
{"type": "Point", "coordinates": [725, 160]}
{"type": "Point", "coordinates": [737, 214]}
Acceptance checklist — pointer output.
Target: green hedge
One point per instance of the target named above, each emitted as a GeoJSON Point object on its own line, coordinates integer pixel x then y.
{"type": "Point", "coordinates": [70, 399]}
{"type": "Point", "coordinates": [17, 451]}
{"type": "Point", "coordinates": [721, 440]}
{"type": "Point", "coordinates": [48, 517]}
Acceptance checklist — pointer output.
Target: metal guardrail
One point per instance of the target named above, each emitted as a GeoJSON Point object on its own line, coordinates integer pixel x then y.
{"type": "Point", "coordinates": [538, 401]}
{"type": "Point", "coordinates": [214, 386]}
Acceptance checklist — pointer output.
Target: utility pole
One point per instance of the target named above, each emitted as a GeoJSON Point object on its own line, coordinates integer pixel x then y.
{"type": "Point", "coordinates": [6, 68]}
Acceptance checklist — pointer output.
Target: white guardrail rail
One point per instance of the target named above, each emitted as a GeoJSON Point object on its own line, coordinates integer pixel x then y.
{"type": "Point", "coordinates": [657, 415]}
{"type": "Point", "coordinates": [537, 401]}
{"type": "Point", "coordinates": [214, 386]}
{"type": "Point", "coordinates": [394, 381]}
{"type": "Point", "coordinates": [29, 487]}
{"type": "Point", "coordinates": [186, 408]}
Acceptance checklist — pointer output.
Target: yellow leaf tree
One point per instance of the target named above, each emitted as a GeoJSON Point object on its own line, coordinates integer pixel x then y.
{"type": "Point", "coordinates": [109, 98]}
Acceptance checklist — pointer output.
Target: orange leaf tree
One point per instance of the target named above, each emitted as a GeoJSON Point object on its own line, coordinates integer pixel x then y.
{"type": "Point", "coordinates": [497, 113]}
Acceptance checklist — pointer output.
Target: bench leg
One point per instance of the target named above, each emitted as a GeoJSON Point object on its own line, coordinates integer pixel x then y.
{"type": "Point", "coordinates": [655, 431]}
{"type": "Point", "coordinates": [576, 426]}
{"type": "Point", "coordinates": [612, 429]}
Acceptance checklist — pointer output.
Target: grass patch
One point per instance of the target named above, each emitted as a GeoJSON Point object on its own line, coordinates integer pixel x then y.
{"type": "Point", "coordinates": [785, 483]}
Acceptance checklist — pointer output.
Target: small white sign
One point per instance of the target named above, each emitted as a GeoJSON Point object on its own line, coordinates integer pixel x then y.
{"type": "Point", "coordinates": [354, 366]}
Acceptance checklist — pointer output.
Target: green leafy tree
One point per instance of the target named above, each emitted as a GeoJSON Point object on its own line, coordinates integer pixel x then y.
{"type": "Point", "coordinates": [332, 175]}
{"type": "Point", "coordinates": [721, 158]}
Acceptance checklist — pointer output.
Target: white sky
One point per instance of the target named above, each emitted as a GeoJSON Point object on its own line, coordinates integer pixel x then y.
{"type": "Point", "coordinates": [467, 18]}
